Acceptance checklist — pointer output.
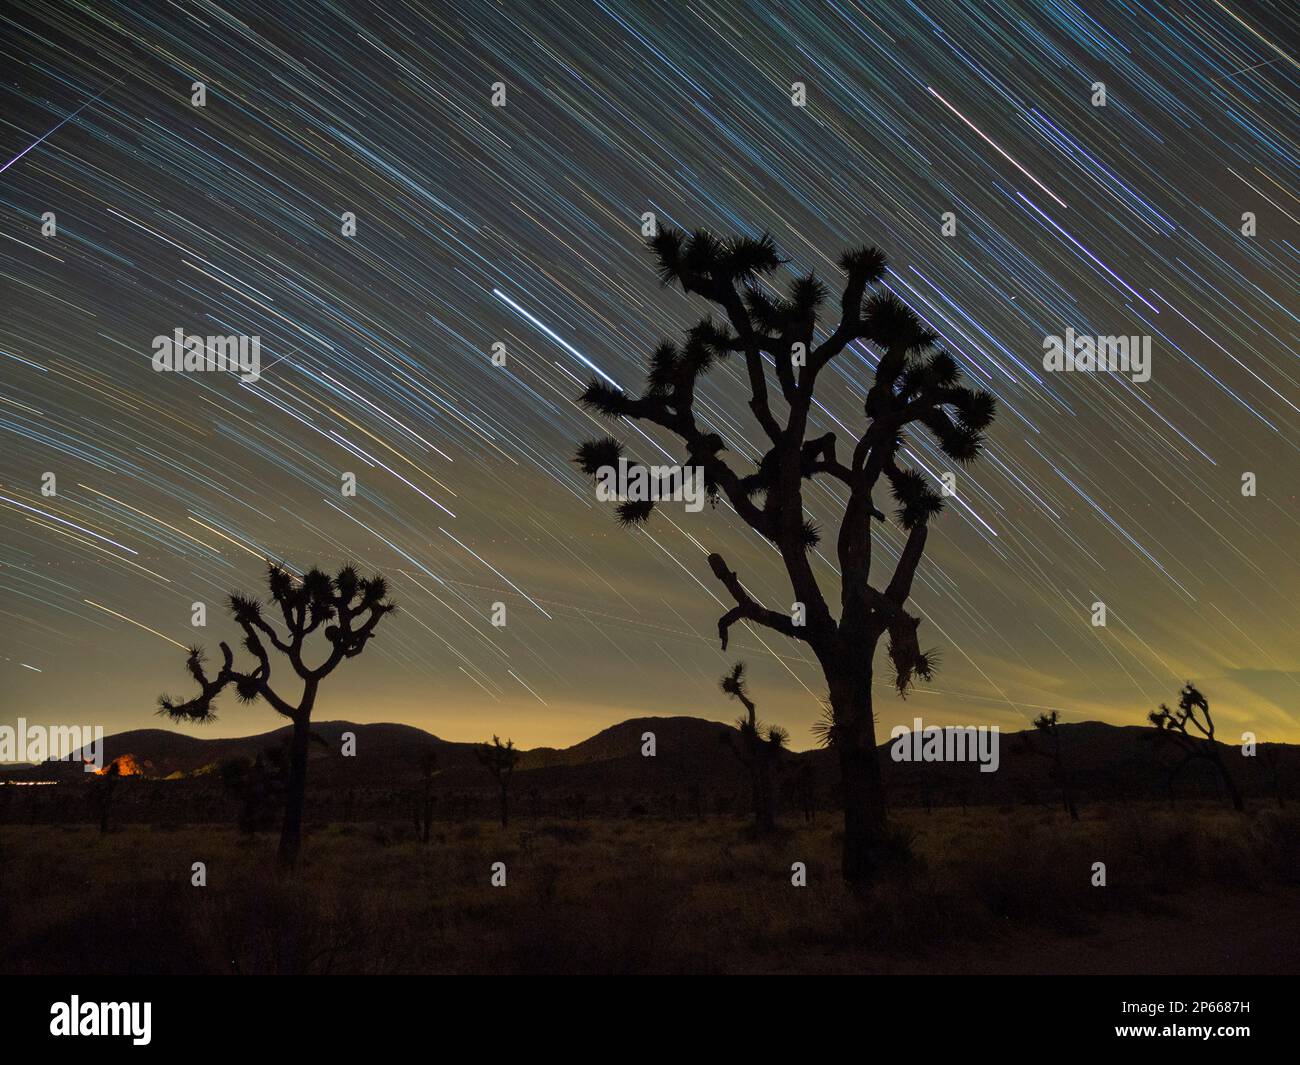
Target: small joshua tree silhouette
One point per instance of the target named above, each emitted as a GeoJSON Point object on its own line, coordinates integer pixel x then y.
{"type": "Point", "coordinates": [346, 608]}
{"type": "Point", "coordinates": [500, 760]}
{"type": "Point", "coordinates": [760, 748]}
{"type": "Point", "coordinates": [106, 784]}
{"type": "Point", "coordinates": [1176, 726]}
{"type": "Point", "coordinates": [1046, 724]}
{"type": "Point", "coordinates": [424, 798]}
{"type": "Point", "coordinates": [915, 385]}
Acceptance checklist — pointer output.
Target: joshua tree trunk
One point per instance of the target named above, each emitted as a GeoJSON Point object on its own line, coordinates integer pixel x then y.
{"type": "Point", "coordinates": [760, 779]}
{"type": "Point", "coordinates": [291, 831]}
{"type": "Point", "coordinates": [861, 786]}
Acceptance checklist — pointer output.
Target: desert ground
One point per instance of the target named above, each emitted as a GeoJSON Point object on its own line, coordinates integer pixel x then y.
{"type": "Point", "coordinates": [1192, 889]}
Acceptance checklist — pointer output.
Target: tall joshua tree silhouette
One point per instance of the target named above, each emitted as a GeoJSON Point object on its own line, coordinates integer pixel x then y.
{"type": "Point", "coordinates": [914, 382]}
{"type": "Point", "coordinates": [1177, 726]}
{"type": "Point", "coordinates": [759, 748]}
{"type": "Point", "coordinates": [500, 760]}
{"type": "Point", "coordinates": [346, 608]}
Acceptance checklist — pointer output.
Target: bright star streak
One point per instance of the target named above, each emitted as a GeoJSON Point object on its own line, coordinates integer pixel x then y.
{"type": "Point", "coordinates": [499, 574]}
{"type": "Point", "coordinates": [993, 145]}
{"type": "Point", "coordinates": [50, 133]}
{"type": "Point", "coordinates": [557, 338]}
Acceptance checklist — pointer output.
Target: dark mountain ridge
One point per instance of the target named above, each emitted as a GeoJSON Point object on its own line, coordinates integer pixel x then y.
{"type": "Point", "coordinates": [694, 756]}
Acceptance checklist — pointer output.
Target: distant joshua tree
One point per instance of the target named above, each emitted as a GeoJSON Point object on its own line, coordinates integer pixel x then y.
{"type": "Point", "coordinates": [500, 760]}
{"type": "Point", "coordinates": [106, 783]}
{"type": "Point", "coordinates": [915, 383]}
{"type": "Point", "coordinates": [1046, 724]}
{"type": "Point", "coordinates": [1176, 725]}
{"type": "Point", "coordinates": [424, 799]}
{"type": "Point", "coordinates": [760, 749]}
{"type": "Point", "coordinates": [347, 609]}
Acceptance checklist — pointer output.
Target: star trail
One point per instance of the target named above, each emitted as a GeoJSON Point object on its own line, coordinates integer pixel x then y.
{"type": "Point", "coordinates": [519, 227]}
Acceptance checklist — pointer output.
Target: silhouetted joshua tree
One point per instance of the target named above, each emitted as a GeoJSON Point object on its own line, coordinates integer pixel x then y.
{"type": "Point", "coordinates": [106, 783]}
{"type": "Point", "coordinates": [346, 608]}
{"type": "Point", "coordinates": [424, 799]}
{"type": "Point", "coordinates": [1046, 724]}
{"type": "Point", "coordinates": [1194, 713]}
{"type": "Point", "coordinates": [915, 382]}
{"type": "Point", "coordinates": [500, 759]}
{"type": "Point", "coordinates": [760, 748]}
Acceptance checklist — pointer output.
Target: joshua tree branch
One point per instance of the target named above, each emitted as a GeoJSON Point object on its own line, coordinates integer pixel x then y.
{"type": "Point", "coordinates": [900, 587]}
{"type": "Point", "coordinates": [747, 608]}
{"type": "Point", "coordinates": [752, 343]}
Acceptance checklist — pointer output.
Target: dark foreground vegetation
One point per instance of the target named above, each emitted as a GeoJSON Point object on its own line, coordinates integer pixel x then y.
{"type": "Point", "coordinates": [1197, 888]}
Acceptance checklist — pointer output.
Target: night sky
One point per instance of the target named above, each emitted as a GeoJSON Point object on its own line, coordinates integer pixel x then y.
{"type": "Point", "coordinates": [521, 224]}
